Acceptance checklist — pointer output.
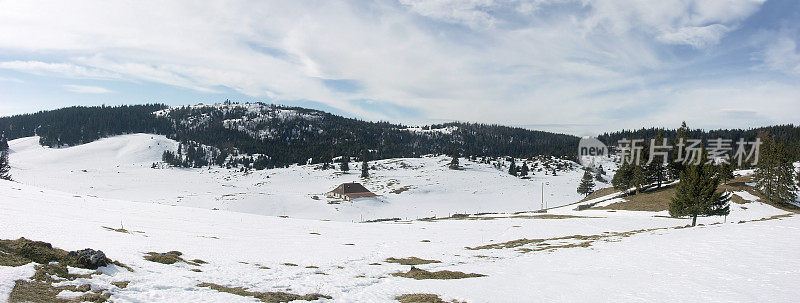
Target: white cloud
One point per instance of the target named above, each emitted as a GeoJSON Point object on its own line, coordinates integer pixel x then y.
{"type": "Point", "coordinates": [61, 69]}
{"type": "Point", "coordinates": [782, 55]}
{"type": "Point", "coordinates": [85, 89]}
{"type": "Point", "coordinates": [511, 62]}
{"type": "Point", "coordinates": [696, 36]}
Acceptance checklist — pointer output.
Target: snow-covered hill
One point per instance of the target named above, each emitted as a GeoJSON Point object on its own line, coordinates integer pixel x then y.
{"type": "Point", "coordinates": [121, 168]}
{"type": "Point", "coordinates": [752, 260]}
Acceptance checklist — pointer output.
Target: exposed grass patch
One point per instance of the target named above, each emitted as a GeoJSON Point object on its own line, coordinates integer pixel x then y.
{"type": "Point", "coordinates": [40, 286]}
{"type": "Point", "coordinates": [651, 200]}
{"type": "Point", "coordinates": [170, 257]}
{"type": "Point", "coordinates": [264, 296]}
{"type": "Point", "coordinates": [600, 193]}
{"type": "Point", "coordinates": [163, 258]}
{"type": "Point", "coordinates": [121, 284]}
{"type": "Point", "coordinates": [23, 251]}
{"type": "Point", "coordinates": [289, 264]}
{"type": "Point", "coordinates": [411, 261]}
{"type": "Point", "coordinates": [420, 298]}
{"type": "Point", "coordinates": [421, 274]}
{"type": "Point", "coordinates": [425, 241]}
{"type": "Point", "coordinates": [119, 230]}
{"type": "Point", "coordinates": [400, 190]}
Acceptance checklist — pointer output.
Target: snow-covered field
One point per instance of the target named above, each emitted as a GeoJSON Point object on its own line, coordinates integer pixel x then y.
{"type": "Point", "coordinates": [625, 256]}
{"type": "Point", "coordinates": [120, 168]}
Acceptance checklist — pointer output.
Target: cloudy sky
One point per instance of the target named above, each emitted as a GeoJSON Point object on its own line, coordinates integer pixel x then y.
{"type": "Point", "coordinates": [579, 67]}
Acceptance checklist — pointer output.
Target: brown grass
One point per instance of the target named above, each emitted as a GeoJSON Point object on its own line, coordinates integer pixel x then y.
{"type": "Point", "coordinates": [421, 274]}
{"type": "Point", "coordinates": [121, 284]}
{"type": "Point", "coordinates": [420, 298]}
{"type": "Point", "coordinates": [170, 257]}
{"type": "Point", "coordinates": [40, 289]}
{"type": "Point", "coordinates": [400, 190]}
{"type": "Point", "coordinates": [599, 193]}
{"type": "Point", "coordinates": [652, 200]}
{"type": "Point", "coordinates": [411, 261]}
{"type": "Point", "coordinates": [270, 296]}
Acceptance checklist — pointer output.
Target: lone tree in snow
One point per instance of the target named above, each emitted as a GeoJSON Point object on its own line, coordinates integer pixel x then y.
{"type": "Point", "coordinates": [454, 162]}
{"type": "Point", "coordinates": [365, 165]}
{"type": "Point", "coordinates": [512, 168]}
{"type": "Point", "coordinates": [587, 184]}
{"type": "Point", "coordinates": [697, 195]}
{"type": "Point", "coordinates": [345, 165]}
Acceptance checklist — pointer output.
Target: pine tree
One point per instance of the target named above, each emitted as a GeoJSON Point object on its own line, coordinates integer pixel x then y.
{"type": "Point", "coordinates": [524, 170]}
{"type": "Point", "coordinates": [655, 171]}
{"type": "Point", "coordinates": [697, 195]}
{"type": "Point", "coordinates": [676, 166]}
{"type": "Point", "coordinates": [587, 184]}
{"type": "Point", "coordinates": [454, 162]}
{"type": "Point", "coordinates": [774, 173]}
{"type": "Point", "coordinates": [5, 167]}
{"type": "Point", "coordinates": [3, 143]}
{"type": "Point", "coordinates": [638, 178]}
{"type": "Point", "coordinates": [365, 165]}
{"type": "Point", "coordinates": [725, 172]}
{"type": "Point", "coordinates": [345, 165]}
{"type": "Point", "coordinates": [623, 178]}
{"type": "Point", "coordinates": [512, 168]}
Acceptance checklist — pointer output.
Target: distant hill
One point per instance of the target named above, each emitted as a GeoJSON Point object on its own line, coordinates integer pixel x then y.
{"type": "Point", "coordinates": [267, 135]}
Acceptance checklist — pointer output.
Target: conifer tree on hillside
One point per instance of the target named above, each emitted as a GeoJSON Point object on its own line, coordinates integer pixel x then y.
{"type": "Point", "coordinates": [345, 165]}
{"type": "Point", "coordinates": [512, 168]}
{"type": "Point", "coordinates": [5, 167]}
{"type": "Point", "coordinates": [655, 170]}
{"type": "Point", "coordinates": [365, 165]}
{"type": "Point", "coordinates": [524, 170]}
{"type": "Point", "coordinates": [676, 166]}
{"type": "Point", "coordinates": [774, 173]}
{"type": "Point", "coordinates": [629, 176]}
{"type": "Point", "coordinates": [3, 143]}
{"type": "Point", "coordinates": [697, 195]}
{"type": "Point", "coordinates": [454, 161]}
{"type": "Point", "coordinates": [587, 184]}
{"type": "Point", "coordinates": [725, 172]}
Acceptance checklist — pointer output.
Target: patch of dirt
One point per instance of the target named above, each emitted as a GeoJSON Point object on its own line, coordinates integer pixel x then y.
{"type": "Point", "coordinates": [269, 296]}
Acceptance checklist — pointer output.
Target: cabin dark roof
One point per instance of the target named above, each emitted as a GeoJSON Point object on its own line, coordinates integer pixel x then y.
{"type": "Point", "coordinates": [353, 190]}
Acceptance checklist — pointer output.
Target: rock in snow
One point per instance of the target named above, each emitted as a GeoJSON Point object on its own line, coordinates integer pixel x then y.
{"type": "Point", "coordinates": [90, 258]}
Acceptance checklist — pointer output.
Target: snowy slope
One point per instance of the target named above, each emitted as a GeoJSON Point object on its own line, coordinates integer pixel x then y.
{"type": "Point", "coordinates": [750, 261]}
{"type": "Point", "coordinates": [120, 168]}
